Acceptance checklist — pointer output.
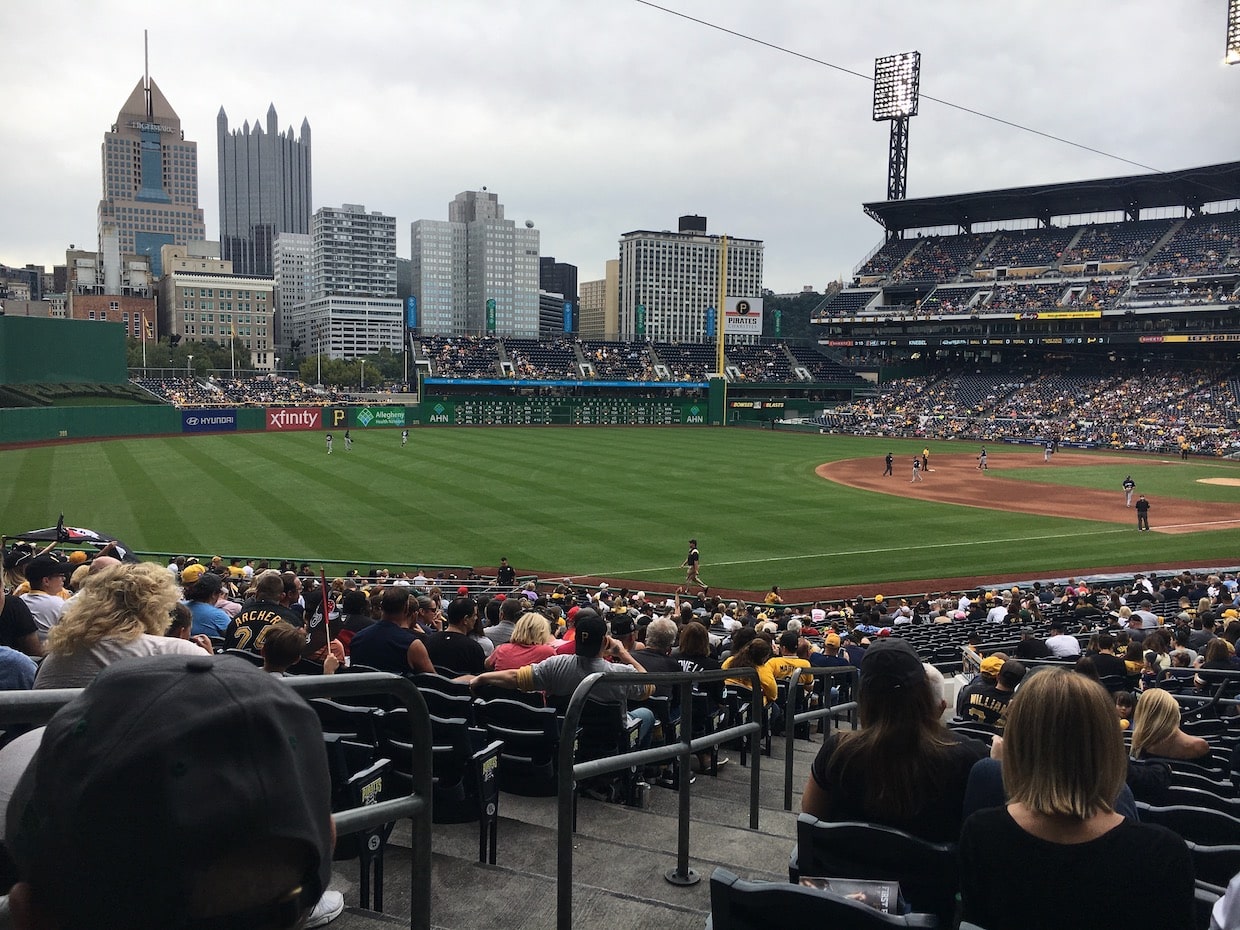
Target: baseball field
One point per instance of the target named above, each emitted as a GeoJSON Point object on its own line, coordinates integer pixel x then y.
{"type": "Point", "coordinates": [804, 511]}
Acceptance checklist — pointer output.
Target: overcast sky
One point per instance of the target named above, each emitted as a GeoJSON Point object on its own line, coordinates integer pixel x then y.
{"type": "Point", "coordinates": [595, 117]}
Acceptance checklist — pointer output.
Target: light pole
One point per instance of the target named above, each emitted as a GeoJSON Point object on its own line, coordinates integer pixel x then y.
{"type": "Point", "coordinates": [276, 371]}
{"type": "Point", "coordinates": [189, 366]}
{"type": "Point", "coordinates": [363, 374]}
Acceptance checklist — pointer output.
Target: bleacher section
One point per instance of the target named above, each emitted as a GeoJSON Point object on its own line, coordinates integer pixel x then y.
{"type": "Point", "coordinates": [884, 261]}
{"type": "Point", "coordinates": [1115, 243]}
{"type": "Point", "coordinates": [687, 361]}
{"type": "Point", "coordinates": [462, 356]}
{"type": "Point", "coordinates": [533, 359]}
{"type": "Point", "coordinates": [846, 303]}
{"type": "Point", "coordinates": [941, 258]}
{"type": "Point", "coordinates": [822, 368]}
{"type": "Point", "coordinates": [618, 361]}
{"type": "Point", "coordinates": [1203, 245]}
{"type": "Point", "coordinates": [1028, 248]}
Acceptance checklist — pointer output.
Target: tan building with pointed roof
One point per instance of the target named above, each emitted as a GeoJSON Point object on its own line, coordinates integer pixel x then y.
{"type": "Point", "coordinates": [150, 179]}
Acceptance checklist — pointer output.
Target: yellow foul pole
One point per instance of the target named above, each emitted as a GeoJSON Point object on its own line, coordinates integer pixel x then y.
{"type": "Point", "coordinates": [721, 314]}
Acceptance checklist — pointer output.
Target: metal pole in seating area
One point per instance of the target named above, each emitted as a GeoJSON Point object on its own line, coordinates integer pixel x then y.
{"type": "Point", "coordinates": [827, 710]}
{"type": "Point", "coordinates": [569, 771]}
{"type": "Point", "coordinates": [682, 874]}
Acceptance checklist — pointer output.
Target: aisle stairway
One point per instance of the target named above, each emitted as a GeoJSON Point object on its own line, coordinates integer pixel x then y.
{"type": "Point", "coordinates": [620, 855]}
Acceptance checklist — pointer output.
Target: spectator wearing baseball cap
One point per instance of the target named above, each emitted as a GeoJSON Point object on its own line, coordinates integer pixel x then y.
{"type": "Point", "coordinates": [561, 674]}
{"type": "Point", "coordinates": [985, 680]}
{"type": "Point", "coordinates": [46, 576]}
{"type": "Point", "coordinates": [903, 768]}
{"type": "Point", "coordinates": [136, 812]}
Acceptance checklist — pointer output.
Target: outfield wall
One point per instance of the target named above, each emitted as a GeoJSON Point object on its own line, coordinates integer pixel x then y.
{"type": "Point", "coordinates": [48, 424]}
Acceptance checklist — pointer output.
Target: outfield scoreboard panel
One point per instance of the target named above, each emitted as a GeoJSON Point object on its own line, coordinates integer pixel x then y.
{"type": "Point", "coordinates": [553, 411]}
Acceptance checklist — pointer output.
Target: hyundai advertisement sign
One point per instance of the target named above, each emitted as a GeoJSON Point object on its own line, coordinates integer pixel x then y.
{"type": "Point", "coordinates": [208, 421]}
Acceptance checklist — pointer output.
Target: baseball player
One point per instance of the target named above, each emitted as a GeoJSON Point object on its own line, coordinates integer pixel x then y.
{"type": "Point", "coordinates": [981, 460]}
{"type": "Point", "coordinates": [916, 470]}
{"type": "Point", "coordinates": [888, 460]}
{"type": "Point", "coordinates": [1129, 486]}
{"type": "Point", "coordinates": [404, 438]}
{"type": "Point", "coordinates": [329, 443]}
{"type": "Point", "coordinates": [348, 442]}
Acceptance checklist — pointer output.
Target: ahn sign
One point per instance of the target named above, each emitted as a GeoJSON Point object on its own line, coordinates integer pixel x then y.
{"type": "Point", "coordinates": [294, 418]}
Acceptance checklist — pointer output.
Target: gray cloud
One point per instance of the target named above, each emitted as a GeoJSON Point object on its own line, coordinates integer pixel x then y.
{"type": "Point", "coordinates": [593, 118]}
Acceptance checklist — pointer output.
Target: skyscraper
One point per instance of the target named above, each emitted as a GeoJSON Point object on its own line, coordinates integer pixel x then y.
{"type": "Point", "coordinates": [150, 178]}
{"type": "Point", "coordinates": [352, 309]}
{"type": "Point", "coordinates": [476, 273]}
{"type": "Point", "coordinates": [669, 282]}
{"type": "Point", "coordinates": [264, 189]}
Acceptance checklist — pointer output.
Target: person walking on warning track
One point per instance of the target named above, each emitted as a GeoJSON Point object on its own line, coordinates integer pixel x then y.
{"type": "Point", "coordinates": [916, 470]}
{"type": "Point", "coordinates": [888, 460]}
{"type": "Point", "coordinates": [329, 443]}
{"type": "Point", "coordinates": [690, 565]}
{"type": "Point", "coordinates": [1129, 486]}
{"type": "Point", "coordinates": [981, 460]}
{"type": "Point", "coordinates": [1143, 514]}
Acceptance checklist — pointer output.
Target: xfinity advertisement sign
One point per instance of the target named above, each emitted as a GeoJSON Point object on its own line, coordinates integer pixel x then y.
{"type": "Point", "coordinates": [208, 421]}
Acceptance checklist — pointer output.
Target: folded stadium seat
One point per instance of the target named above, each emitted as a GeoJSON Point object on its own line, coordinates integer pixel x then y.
{"type": "Point", "coordinates": [464, 772]}
{"type": "Point", "coordinates": [529, 761]}
{"type": "Point", "coordinates": [1215, 865]}
{"type": "Point", "coordinates": [1220, 787]}
{"type": "Point", "coordinates": [1194, 797]}
{"type": "Point", "coordinates": [448, 706]}
{"type": "Point", "coordinates": [427, 681]}
{"type": "Point", "coordinates": [1196, 824]}
{"type": "Point", "coordinates": [356, 787]}
{"type": "Point", "coordinates": [359, 724]}
{"type": "Point", "coordinates": [737, 702]}
{"type": "Point", "coordinates": [605, 732]}
{"type": "Point", "coordinates": [486, 692]}
{"type": "Point", "coordinates": [927, 872]}
{"type": "Point", "coordinates": [736, 904]}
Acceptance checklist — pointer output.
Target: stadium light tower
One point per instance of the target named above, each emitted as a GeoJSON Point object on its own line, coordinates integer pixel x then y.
{"type": "Point", "coordinates": [896, 82]}
{"type": "Point", "coordinates": [1233, 33]}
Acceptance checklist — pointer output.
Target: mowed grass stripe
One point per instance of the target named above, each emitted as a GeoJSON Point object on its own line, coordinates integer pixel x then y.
{"type": "Point", "coordinates": [605, 500]}
{"type": "Point", "coordinates": [147, 474]}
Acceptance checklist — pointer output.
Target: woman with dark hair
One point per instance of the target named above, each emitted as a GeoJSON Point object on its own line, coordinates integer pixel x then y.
{"type": "Point", "coordinates": [693, 654]}
{"type": "Point", "coordinates": [903, 768]}
{"type": "Point", "coordinates": [756, 654]}
{"type": "Point", "coordinates": [201, 596]}
{"type": "Point", "coordinates": [1034, 863]}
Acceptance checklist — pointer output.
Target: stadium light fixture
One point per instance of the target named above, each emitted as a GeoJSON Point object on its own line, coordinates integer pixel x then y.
{"type": "Point", "coordinates": [1233, 33]}
{"type": "Point", "coordinates": [896, 84]}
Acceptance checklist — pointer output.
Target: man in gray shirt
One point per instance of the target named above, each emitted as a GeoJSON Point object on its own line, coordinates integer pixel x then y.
{"type": "Point", "coordinates": [562, 674]}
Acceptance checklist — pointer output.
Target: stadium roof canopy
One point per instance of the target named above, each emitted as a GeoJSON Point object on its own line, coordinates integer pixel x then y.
{"type": "Point", "coordinates": [1191, 188]}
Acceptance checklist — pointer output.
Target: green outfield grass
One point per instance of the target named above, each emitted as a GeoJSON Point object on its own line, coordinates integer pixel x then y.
{"type": "Point", "coordinates": [1161, 477]}
{"type": "Point", "coordinates": [616, 502]}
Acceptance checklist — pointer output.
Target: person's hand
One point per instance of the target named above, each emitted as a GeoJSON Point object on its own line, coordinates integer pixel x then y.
{"type": "Point", "coordinates": [203, 641]}
{"type": "Point", "coordinates": [996, 748]}
{"type": "Point", "coordinates": [330, 664]}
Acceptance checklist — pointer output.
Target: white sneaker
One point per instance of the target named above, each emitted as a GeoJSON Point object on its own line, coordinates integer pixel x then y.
{"type": "Point", "coordinates": [330, 906]}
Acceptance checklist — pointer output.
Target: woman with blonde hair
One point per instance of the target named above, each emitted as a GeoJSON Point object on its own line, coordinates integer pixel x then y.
{"type": "Point", "coordinates": [121, 612]}
{"type": "Point", "coordinates": [1156, 729]}
{"type": "Point", "coordinates": [530, 643]}
{"type": "Point", "coordinates": [1034, 862]}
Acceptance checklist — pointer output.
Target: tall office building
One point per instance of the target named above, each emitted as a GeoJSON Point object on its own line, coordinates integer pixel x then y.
{"type": "Point", "coordinates": [150, 179]}
{"type": "Point", "coordinates": [669, 281]}
{"type": "Point", "coordinates": [476, 273]}
{"type": "Point", "coordinates": [600, 301]}
{"type": "Point", "coordinates": [290, 268]}
{"type": "Point", "coordinates": [559, 278]}
{"type": "Point", "coordinates": [264, 190]}
{"type": "Point", "coordinates": [352, 309]}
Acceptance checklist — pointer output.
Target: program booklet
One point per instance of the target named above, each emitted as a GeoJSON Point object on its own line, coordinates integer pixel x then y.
{"type": "Point", "coordinates": [883, 896]}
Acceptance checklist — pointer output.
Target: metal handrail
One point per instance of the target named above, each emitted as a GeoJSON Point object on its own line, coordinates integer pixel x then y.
{"type": "Point", "coordinates": [570, 772]}
{"type": "Point", "coordinates": [792, 719]}
{"type": "Point", "coordinates": [39, 706]}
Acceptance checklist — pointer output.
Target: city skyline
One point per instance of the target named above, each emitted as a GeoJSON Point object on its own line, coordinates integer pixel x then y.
{"type": "Point", "coordinates": [592, 121]}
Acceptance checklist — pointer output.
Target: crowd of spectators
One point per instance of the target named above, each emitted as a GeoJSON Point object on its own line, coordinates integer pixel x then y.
{"type": "Point", "coordinates": [1203, 245]}
{"type": "Point", "coordinates": [259, 391]}
{"type": "Point", "coordinates": [1045, 654]}
{"type": "Point", "coordinates": [1162, 410]}
{"type": "Point", "coordinates": [1028, 248]}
